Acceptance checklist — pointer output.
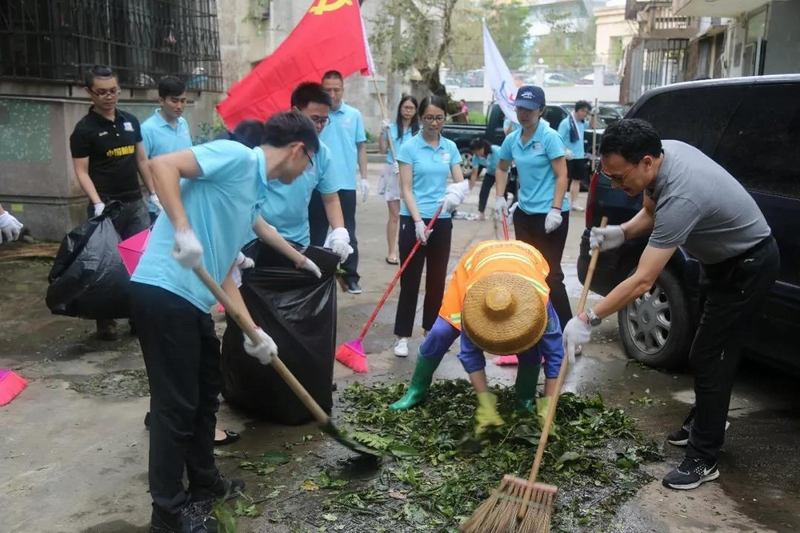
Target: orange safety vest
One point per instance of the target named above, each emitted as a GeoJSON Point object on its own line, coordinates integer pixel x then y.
{"type": "Point", "coordinates": [488, 257]}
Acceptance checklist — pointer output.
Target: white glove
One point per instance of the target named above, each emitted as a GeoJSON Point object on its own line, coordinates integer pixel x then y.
{"type": "Point", "coordinates": [576, 333]}
{"type": "Point", "coordinates": [99, 208]}
{"type": "Point", "coordinates": [187, 251]}
{"type": "Point", "coordinates": [153, 199]}
{"type": "Point", "coordinates": [9, 227]}
{"type": "Point", "coordinates": [310, 266]}
{"type": "Point", "coordinates": [338, 241]}
{"type": "Point", "coordinates": [510, 217]}
{"type": "Point", "coordinates": [386, 123]}
{"type": "Point", "coordinates": [264, 351]}
{"type": "Point", "coordinates": [553, 220]}
{"type": "Point", "coordinates": [246, 263]}
{"type": "Point", "coordinates": [500, 205]}
{"type": "Point", "coordinates": [568, 154]}
{"type": "Point", "coordinates": [396, 168]}
{"type": "Point", "coordinates": [455, 194]}
{"type": "Point", "coordinates": [422, 233]}
{"type": "Point", "coordinates": [364, 190]}
{"type": "Point", "coordinates": [606, 238]}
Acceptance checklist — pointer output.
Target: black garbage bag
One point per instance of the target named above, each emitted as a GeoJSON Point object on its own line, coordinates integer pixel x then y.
{"type": "Point", "coordinates": [299, 312]}
{"type": "Point", "coordinates": [88, 278]}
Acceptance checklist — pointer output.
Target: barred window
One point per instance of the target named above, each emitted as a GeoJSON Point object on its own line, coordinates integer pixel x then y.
{"type": "Point", "coordinates": [142, 40]}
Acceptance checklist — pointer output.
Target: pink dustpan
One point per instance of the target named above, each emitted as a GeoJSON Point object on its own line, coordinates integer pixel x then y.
{"type": "Point", "coordinates": [132, 248]}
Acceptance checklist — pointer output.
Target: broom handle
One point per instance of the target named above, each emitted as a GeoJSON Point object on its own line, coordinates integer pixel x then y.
{"type": "Point", "coordinates": [562, 374]}
{"type": "Point", "coordinates": [386, 294]}
{"type": "Point", "coordinates": [505, 226]}
{"type": "Point", "coordinates": [223, 298]}
{"type": "Point", "coordinates": [385, 117]}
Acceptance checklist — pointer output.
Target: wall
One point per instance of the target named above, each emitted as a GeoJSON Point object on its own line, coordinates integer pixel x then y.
{"type": "Point", "coordinates": [783, 38]}
{"type": "Point", "coordinates": [37, 182]}
{"type": "Point", "coordinates": [611, 23]}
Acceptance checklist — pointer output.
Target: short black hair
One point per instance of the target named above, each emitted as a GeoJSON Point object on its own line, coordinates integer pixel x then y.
{"type": "Point", "coordinates": [310, 92]}
{"type": "Point", "coordinates": [283, 129]}
{"type": "Point", "coordinates": [632, 138]}
{"type": "Point", "coordinates": [582, 104]}
{"type": "Point", "coordinates": [98, 71]}
{"type": "Point", "coordinates": [170, 86]}
{"type": "Point", "coordinates": [434, 100]}
{"type": "Point", "coordinates": [333, 75]}
{"type": "Point", "coordinates": [248, 132]}
{"type": "Point", "coordinates": [481, 143]}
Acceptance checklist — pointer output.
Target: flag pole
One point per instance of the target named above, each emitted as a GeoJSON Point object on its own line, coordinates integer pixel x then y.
{"type": "Point", "coordinates": [594, 139]}
{"type": "Point", "coordinates": [383, 113]}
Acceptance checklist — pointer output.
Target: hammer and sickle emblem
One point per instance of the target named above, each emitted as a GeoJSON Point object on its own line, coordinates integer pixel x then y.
{"type": "Point", "coordinates": [323, 6]}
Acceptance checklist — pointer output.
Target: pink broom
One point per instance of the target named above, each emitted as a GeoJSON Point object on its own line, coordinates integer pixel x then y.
{"type": "Point", "coordinates": [11, 384]}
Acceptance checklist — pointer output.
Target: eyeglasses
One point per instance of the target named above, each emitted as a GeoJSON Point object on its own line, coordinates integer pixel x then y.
{"type": "Point", "coordinates": [320, 121]}
{"type": "Point", "coordinates": [431, 118]}
{"type": "Point", "coordinates": [104, 93]}
{"type": "Point", "coordinates": [310, 161]}
{"type": "Point", "coordinates": [620, 180]}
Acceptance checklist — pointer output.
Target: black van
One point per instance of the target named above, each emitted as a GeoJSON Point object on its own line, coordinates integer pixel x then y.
{"type": "Point", "coordinates": [750, 126]}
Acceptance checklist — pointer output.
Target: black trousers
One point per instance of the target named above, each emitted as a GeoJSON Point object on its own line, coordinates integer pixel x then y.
{"type": "Point", "coordinates": [486, 188]}
{"type": "Point", "coordinates": [732, 292]}
{"type": "Point", "coordinates": [530, 229]}
{"type": "Point", "coordinates": [577, 171]}
{"type": "Point", "coordinates": [182, 355]}
{"type": "Point", "coordinates": [436, 253]}
{"type": "Point", "coordinates": [318, 226]}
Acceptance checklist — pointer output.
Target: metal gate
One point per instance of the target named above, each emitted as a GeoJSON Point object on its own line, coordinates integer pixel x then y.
{"type": "Point", "coordinates": [653, 63]}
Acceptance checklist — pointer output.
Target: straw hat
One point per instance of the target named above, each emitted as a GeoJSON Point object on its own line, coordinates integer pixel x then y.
{"type": "Point", "coordinates": [503, 314]}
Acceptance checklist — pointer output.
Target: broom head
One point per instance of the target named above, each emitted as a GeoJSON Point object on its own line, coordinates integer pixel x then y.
{"type": "Point", "coordinates": [351, 354]}
{"type": "Point", "coordinates": [11, 384]}
{"type": "Point", "coordinates": [503, 509]}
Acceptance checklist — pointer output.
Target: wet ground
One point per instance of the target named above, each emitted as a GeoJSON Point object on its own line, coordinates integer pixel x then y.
{"type": "Point", "coordinates": [73, 448]}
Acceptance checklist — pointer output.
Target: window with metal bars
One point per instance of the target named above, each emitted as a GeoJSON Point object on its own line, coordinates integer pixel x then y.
{"type": "Point", "coordinates": [142, 40]}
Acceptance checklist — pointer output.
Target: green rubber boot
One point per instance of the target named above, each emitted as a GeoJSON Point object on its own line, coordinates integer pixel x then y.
{"type": "Point", "coordinates": [420, 383]}
{"type": "Point", "coordinates": [525, 388]}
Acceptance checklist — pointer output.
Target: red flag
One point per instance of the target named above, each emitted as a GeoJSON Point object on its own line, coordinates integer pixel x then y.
{"type": "Point", "coordinates": [330, 36]}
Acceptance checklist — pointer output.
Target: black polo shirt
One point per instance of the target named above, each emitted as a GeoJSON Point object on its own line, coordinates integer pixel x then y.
{"type": "Point", "coordinates": [111, 149]}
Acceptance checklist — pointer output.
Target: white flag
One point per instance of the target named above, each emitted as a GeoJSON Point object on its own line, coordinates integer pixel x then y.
{"type": "Point", "coordinates": [499, 77]}
{"type": "Point", "coordinates": [370, 62]}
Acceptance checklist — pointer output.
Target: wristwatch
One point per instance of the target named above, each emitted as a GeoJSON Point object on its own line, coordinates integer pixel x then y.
{"type": "Point", "coordinates": [594, 320]}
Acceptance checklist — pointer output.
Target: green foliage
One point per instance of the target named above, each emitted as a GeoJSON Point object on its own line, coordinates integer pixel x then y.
{"type": "Point", "coordinates": [567, 45]}
{"type": "Point", "coordinates": [476, 117]}
{"type": "Point", "coordinates": [440, 474]}
{"type": "Point", "coordinates": [209, 132]}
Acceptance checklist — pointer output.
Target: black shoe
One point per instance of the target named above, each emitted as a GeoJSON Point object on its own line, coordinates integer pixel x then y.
{"type": "Point", "coordinates": [147, 420]}
{"type": "Point", "coordinates": [690, 474]}
{"type": "Point", "coordinates": [106, 330]}
{"type": "Point", "coordinates": [353, 287]}
{"type": "Point", "coordinates": [223, 490]}
{"type": "Point", "coordinates": [680, 437]}
{"type": "Point", "coordinates": [195, 519]}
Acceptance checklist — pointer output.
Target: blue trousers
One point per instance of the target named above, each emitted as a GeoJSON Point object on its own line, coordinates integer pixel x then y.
{"type": "Point", "coordinates": [442, 336]}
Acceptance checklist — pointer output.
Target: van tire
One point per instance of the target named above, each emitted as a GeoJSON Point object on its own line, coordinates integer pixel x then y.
{"type": "Point", "coordinates": [466, 162]}
{"type": "Point", "coordinates": [657, 329]}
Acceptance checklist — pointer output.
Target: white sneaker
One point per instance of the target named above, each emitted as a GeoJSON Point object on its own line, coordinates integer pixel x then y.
{"type": "Point", "coordinates": [401, 347]}
{"type": "Point", "coordinates": [578, 208]}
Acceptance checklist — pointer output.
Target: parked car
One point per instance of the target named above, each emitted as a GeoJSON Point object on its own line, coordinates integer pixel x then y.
{"type": "Point", "coordinates": [750, 126]}
{"type": "Point", "coordinates": [463, 134]}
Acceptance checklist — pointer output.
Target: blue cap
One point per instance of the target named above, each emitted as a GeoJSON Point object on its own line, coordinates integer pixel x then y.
{"type": "Point", "coordinates": [530, 97]}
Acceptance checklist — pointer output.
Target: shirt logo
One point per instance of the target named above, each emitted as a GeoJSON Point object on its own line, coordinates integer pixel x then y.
{"type": "Point", "coordinates": [346, 122]}
{"type": "Point", "coordinates": [445, 157]}
{"type": "Point", "coordinates": [121, 151]}
{"type": "Point", "coordinates": [102, 134]}
{"type": "Point", "coordinates": [127, 126]}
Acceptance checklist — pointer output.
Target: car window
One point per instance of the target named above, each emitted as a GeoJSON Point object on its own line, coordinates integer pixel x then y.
{"type": "Point", "coordinates": [696, 116]}
{"type": "Point", "coordinates": [554, 115]}
{"type": "Point", "coordinates": [760, 146]}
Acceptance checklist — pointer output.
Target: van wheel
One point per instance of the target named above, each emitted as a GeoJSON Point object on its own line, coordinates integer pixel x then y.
{"type": "Point", "coordinates": [466, 163]}
{"type": "Point", "coordinates": [656, 328]}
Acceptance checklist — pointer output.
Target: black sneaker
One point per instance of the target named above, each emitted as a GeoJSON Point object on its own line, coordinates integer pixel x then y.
{"type": "Point", "coordinates": [353, 287]}
{"type": "Point", "coordinates": [224, 490]}
{"type": "Point", "coordinates": [680, 437]}
{"type": "Point", "coordinates": [690, 474]}
{"type": "Point", "coordinates": [195, 519]}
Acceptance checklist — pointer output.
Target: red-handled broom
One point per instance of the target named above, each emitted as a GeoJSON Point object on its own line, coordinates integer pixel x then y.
{"type": "Point", "coordinates": [11, 384]}
{"type": "Point", "coordinates": [351, 354]}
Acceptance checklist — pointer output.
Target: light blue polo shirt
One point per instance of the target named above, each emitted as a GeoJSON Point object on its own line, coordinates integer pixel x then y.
{"type": "Point", "coordinates": [342, 135]}
{"type": "Point", "coordinates": [537, 181]}
{"type": "Point", "coordinates": [430, 172]}
{"type": "Point", "coordinates": [489, 162]}
{"type": "Point", "coordinates": [398, 143]}
{"type": "Point", "coordinates": [221, 206]}
{"type": "Point", "coordinates": [160, 138]}
{"type": "Point", "coordinates": [577, 146]}
{"type": "Point", "coordinates": [286, 206]}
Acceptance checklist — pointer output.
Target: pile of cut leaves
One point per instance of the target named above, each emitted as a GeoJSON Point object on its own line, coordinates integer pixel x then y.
{"type": "Point", "coordinates": [439, 474]}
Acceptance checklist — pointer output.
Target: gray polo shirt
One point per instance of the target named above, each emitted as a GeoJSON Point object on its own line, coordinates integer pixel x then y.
{"type": "Point", "coordinates": [703, 208]}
